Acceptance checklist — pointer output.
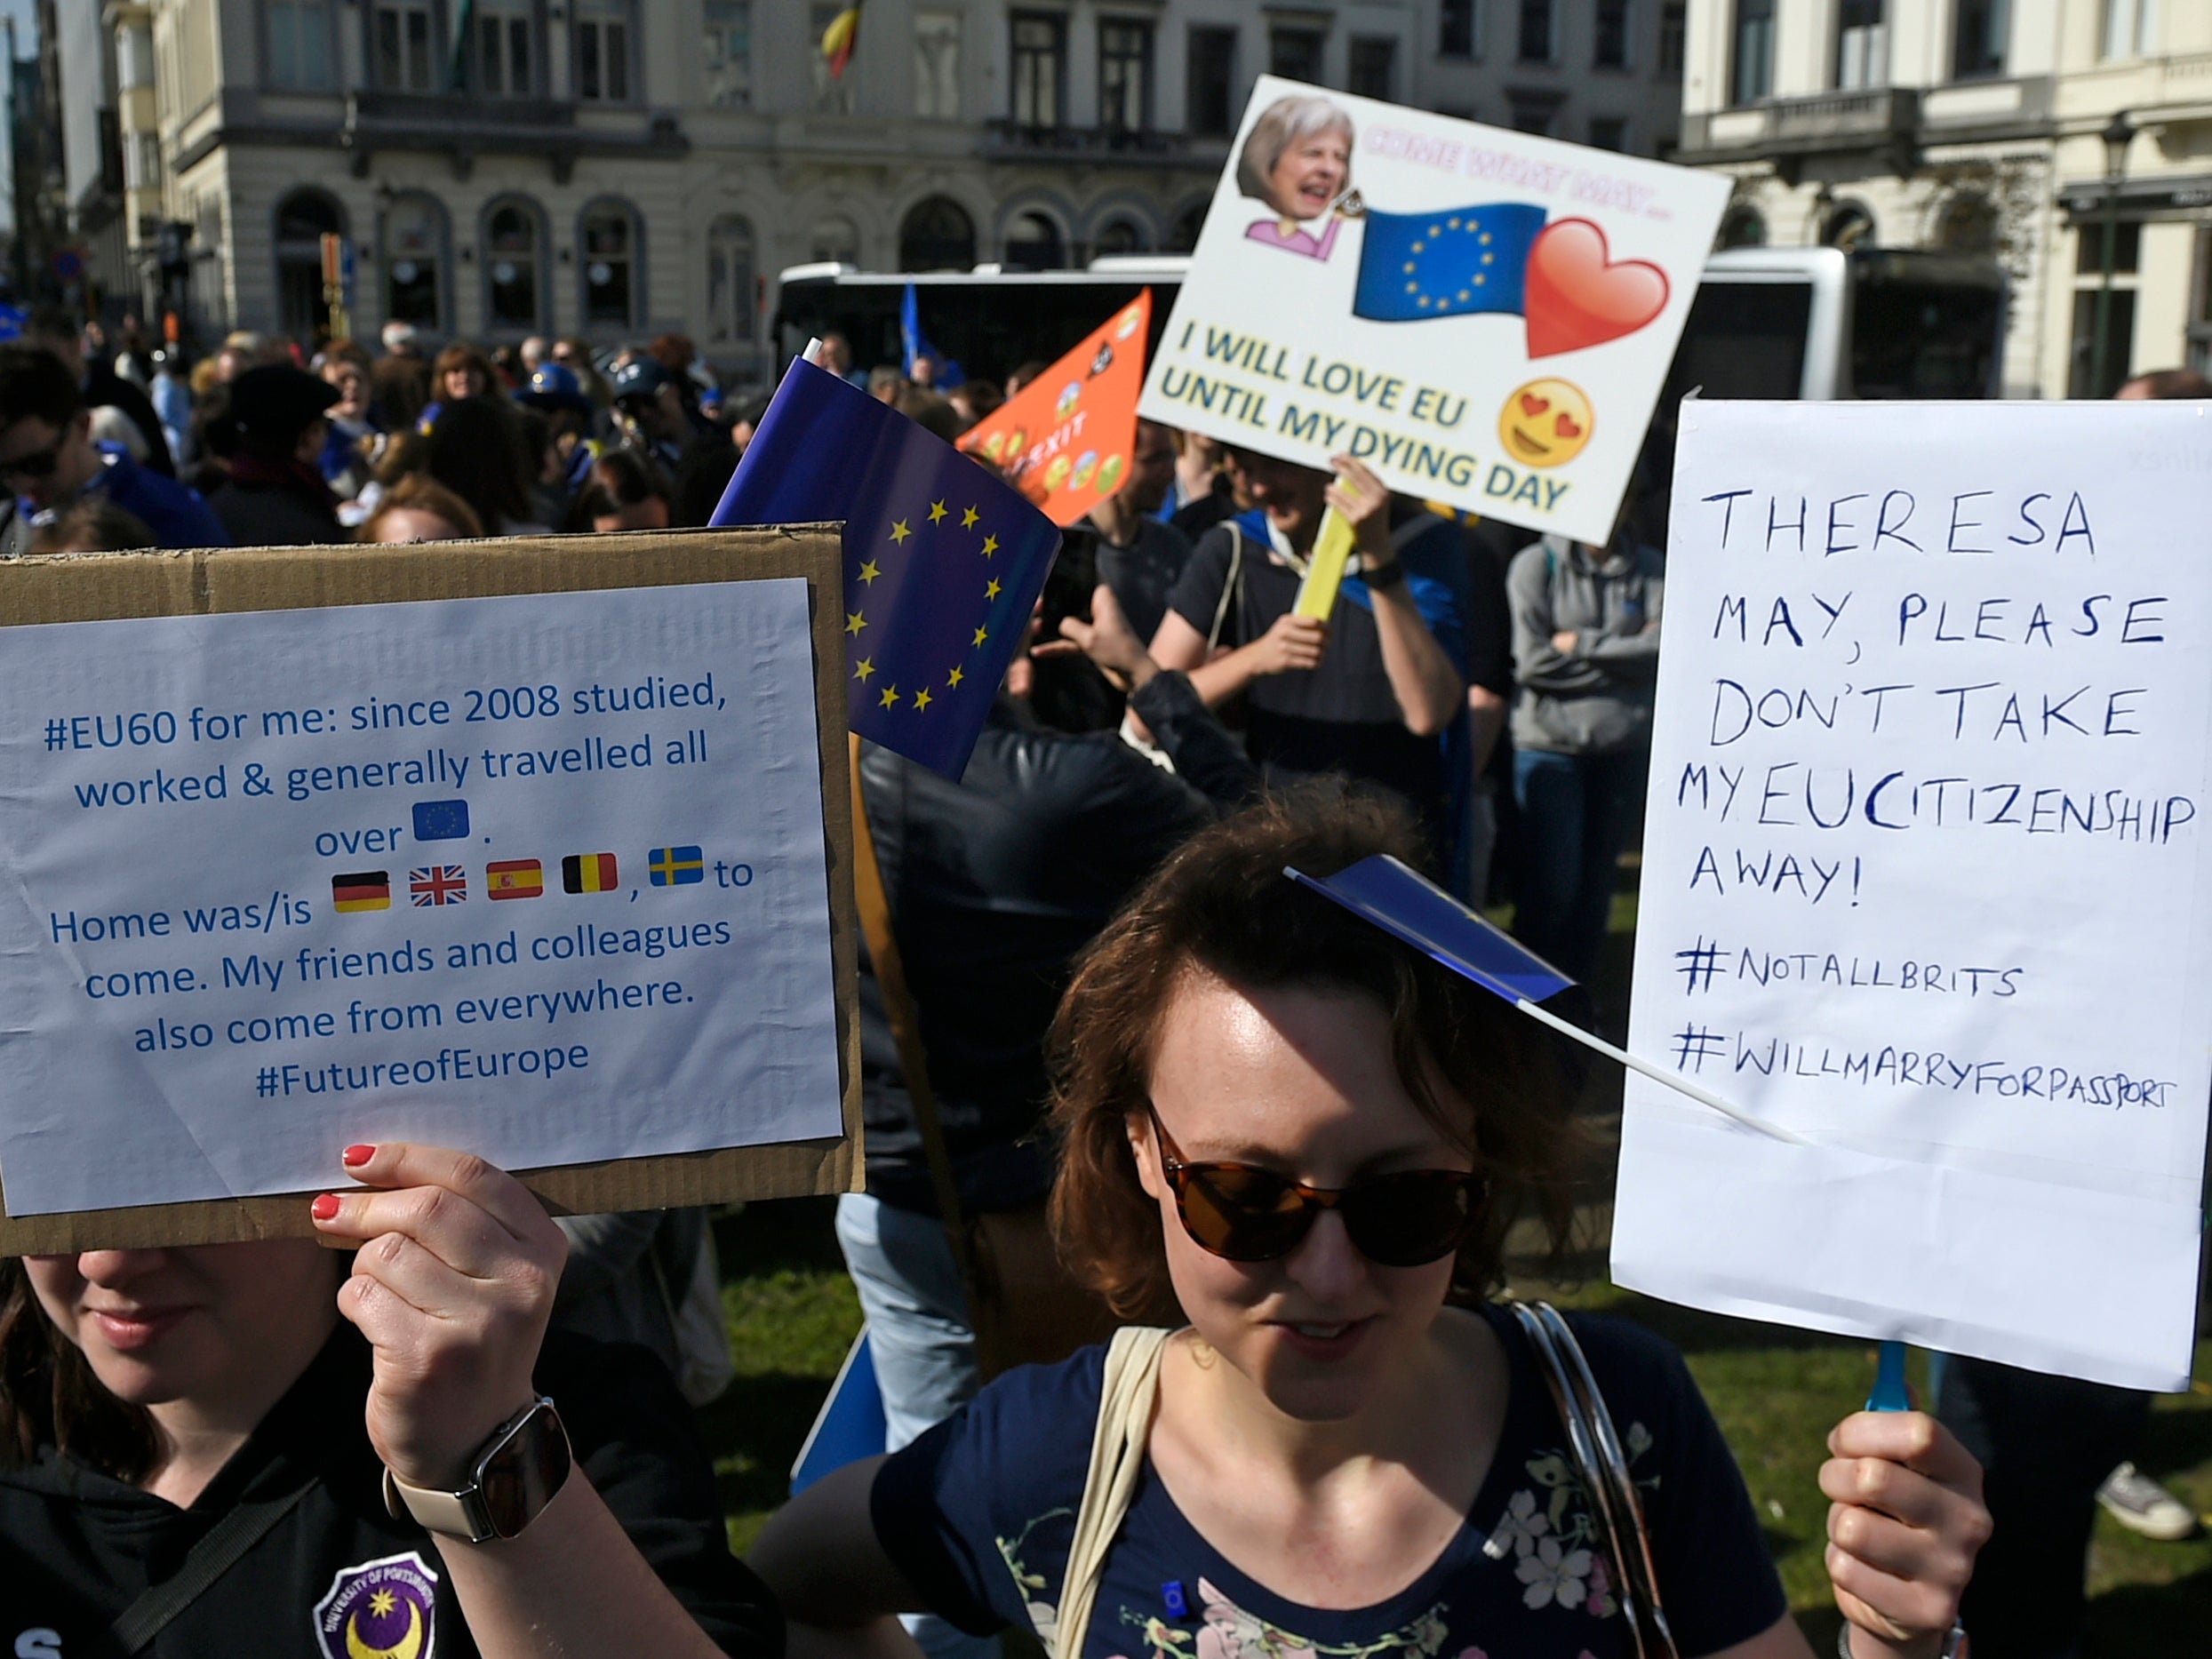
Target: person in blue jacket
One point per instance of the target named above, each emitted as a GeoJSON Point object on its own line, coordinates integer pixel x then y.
{"type": "Point", "coordinates": [49, 459]}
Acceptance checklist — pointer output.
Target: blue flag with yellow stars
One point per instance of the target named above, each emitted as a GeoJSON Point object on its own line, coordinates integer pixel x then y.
{"type": "Point", "coordinates": [1458, 263]}
{"type": "Point", "coordinates": [943, 562]}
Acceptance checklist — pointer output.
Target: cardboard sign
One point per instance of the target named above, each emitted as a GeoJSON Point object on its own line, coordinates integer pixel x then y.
{"type": "Point", "coordinates": [1066, 442]}
{"type": "Point", "coordinates": [526, 848]}
{"type": "Point", "coordinates": [1483, 317]}
{"type": "Point", "coordinates": [1927, 879]}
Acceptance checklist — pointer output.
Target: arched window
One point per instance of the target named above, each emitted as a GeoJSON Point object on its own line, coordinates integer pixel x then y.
{"type": "Point", "coordinates": [1970, 224]}
{"type": "Point", "coordinates": [1743, 227]}
{"type": "Point", "coordinates": [1121, 235]}
{"type": "Point", "coordinates": [1849, 225]}
{"type": "Point", "coordinates": [607, 233]}
{"type": "Point", "coordinates": [513, 283]}
{"type": "Point", "coordinates": [303, 218]}
{"type": "Point", "coordinates": [936, 234]}
{"type": "Point", "coordinates": [414, 263]}
{"type": "Point", "coordinates": [1033, 243]}
{"type": "Point", "coordinates": [732, 312]}
{"type": "Point", "coordinates": [833, 236]}
{"type": "Point", "coordinates": [1183, 234]}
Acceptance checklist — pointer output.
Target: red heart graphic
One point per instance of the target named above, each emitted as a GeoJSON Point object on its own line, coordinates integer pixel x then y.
{"type": "Point", "coordinates": [1573, 298]}
{"type": "Point", "coordinates": [1532, 405]}
{"type": "Point", "coordinates": [1565, 428]}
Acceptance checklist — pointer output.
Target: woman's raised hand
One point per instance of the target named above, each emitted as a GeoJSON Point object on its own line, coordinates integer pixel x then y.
{"type": "Point", "coordinates": [1905, 1522]}
{"type": "Point", "coordinates": [453, 1285]}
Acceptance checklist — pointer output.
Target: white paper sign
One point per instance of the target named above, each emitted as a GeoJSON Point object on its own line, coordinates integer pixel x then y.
{"type": "Point", "coordinates": [538, 876]}
{"type": "Point", "coordinates": [1925, 879]}
{"type": "Point", "coordinates": [1483, 317]}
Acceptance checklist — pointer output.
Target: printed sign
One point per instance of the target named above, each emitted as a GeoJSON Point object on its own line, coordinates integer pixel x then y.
{"type": "Point", "coordinates": [1483, 317]}
{"type": "Point", "coordinates": [542, 875]}
{"type": "Point", "coordinates": [1925, 881]}
{"type": "Point", "coordinates": [1065, 440]}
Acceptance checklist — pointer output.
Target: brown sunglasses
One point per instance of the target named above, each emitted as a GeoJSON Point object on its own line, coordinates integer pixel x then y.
{"type": "Point", "coordinates": [1243, 1213]}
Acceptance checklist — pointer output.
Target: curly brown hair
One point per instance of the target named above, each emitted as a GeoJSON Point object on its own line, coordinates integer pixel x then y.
{"type": "Point", "coordinates": [1221, 906]}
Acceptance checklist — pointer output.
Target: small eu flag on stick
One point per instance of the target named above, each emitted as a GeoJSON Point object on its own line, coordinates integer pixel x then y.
{"type": "Point", "coordinates": [1409, 907]}
{"type": "Point", "coordinates": [943, 562]}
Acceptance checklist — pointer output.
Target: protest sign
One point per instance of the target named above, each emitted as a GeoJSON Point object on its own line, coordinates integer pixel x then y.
{"type": "Point", "coordinates": [1483, 317]}
{"type": "Point", "coordinates": [1925, 880]}
{"type": "Point", "coordinates": [537, 849]}
{"type": "Point", "coordinates": [1065, 441]}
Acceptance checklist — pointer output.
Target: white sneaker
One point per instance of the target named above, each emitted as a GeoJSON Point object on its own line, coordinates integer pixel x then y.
{"type": "Point", "coordinates": [2141, 1504]}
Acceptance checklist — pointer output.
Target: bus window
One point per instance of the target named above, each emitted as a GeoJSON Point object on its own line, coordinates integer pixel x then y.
{"type": "Point", "coordinates": [1926, 325]}
{"type": "Point", "coordinates": [1743, 339]}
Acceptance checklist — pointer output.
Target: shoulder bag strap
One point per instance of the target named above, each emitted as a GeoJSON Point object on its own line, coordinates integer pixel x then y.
{"type": "Point", "coordinates": [1228, 587]}
{"type": "Point", "coordinates": [1603, 1471]}
{"type": "Point", "coordinates": [219, 1550]}
{"type": "Point", "coordinates": [874, 903]}
{"type": "Point", "coordinates": [1127, 1394]}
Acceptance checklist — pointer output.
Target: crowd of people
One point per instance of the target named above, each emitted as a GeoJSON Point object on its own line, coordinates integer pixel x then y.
{"type": "Point", "coordinates": [1114, 1038]}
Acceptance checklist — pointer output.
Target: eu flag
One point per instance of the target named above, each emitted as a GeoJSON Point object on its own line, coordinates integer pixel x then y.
{"type": "Point", "coordinates": [944, 374]}
{"type": "Point", "coordinates": [943, 562]}
{"type": "Point", "coordinates": [1399, 901]}
{"type": "Point", "coordinates": [1452, 264]}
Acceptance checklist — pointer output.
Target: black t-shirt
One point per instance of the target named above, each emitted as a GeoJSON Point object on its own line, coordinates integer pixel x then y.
{"type": "Point", "coordinates": [338, 1576]}
{"type": "Point", "coordinates": [1340, 717]}
{"type": "Point", "coordinates": [980, 1512]}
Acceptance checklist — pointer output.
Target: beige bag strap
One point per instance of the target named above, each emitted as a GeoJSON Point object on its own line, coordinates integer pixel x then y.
{"type": "Point", "coordinates": [1127, 1394]}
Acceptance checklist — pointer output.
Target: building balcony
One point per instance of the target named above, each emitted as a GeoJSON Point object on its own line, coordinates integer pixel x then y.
{"type": "Point", "coordinates": [1875, 118]}
{"type": "Point", "coordinates": [1007, 139]}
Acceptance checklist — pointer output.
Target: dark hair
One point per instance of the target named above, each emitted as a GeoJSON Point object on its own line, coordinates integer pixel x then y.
{"type": "Point", "coordinates": [34, 385]}
{"type": "Point", "coordinates": [1221, 907]}
{"type": "Point", "coordinates": [618, 480]}
{"type": "Point", "coordinates": [49, 1394]}
{"type": "Point", "coordinates": [475, 451]}
{"type": "Point", "coordinates": [930, 411]}
{"type": "Point", "coordinates": [93, 524]}
{"type": "Point", "coordinates": [423, 494]}
{"type": "Point", "coordinates": [2172, 383]}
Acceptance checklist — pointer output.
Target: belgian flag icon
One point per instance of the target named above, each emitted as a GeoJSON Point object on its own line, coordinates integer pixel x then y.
{"type": "Point", "coordinates": [587, 872]}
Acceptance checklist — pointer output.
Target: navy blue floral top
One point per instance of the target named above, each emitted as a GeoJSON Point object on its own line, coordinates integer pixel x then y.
{"type": "Point", "coordinates": [980, 1512]}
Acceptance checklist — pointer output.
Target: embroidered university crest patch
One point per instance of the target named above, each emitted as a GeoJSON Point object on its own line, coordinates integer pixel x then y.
{"type": "Point", "coordinates": [380, 1609]}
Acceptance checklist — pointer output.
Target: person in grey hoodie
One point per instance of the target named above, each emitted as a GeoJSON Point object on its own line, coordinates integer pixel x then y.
{"type": "Point", "coordinates": [1586, 652]}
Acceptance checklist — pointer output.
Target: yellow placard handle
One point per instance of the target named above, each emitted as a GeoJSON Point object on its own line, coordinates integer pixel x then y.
{"type": "Point", "coordinates": [1324, 570]}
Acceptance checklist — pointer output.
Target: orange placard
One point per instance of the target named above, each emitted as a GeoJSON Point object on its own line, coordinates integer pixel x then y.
{"type": "Point", "coordinates": [1066, 442]}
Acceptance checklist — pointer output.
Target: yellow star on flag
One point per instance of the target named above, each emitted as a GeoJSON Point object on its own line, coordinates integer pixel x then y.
{"type": "Point", "coordinates": [869, 573]}
{"type": "Point", "coordinates": [889, 698]}
{"type": "Point", "coordinates": [863, 668]}
{"type": "Point", "coordinates": [968, 519]}
{"type": "Point", "coordinates": [990, 545]}
{"type": "Point", "coordinates": [900, 532]}
{"type": "Point", "coordinates": [855, 623]}
{"type": "Point", "coordinates": [937, 511]}
{"type": "Point", "coordinates": [982, 634]}
{"type": "Point", "coordinates": [921, 700]}
{"type": "Point", "coordinates": [992, 590]}
{"type": "Point", "coordinates": [955, 677]}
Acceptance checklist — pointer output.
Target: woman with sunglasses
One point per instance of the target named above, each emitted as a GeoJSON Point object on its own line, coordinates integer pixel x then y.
{"type": "Point", "coordinates": [1316, 1139]}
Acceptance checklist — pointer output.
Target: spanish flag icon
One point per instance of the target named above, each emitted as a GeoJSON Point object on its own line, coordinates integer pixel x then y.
{"type": "Point", "coordinates": [587, 872]}
{"type": "Point", "coordinates": [366, 890]}
{"type": "Point", "coordinates": [516, 878]}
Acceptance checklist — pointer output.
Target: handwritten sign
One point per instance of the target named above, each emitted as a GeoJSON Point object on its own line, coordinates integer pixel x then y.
{"type": "Point", "coordinates": [1925, 880]}
{"type": "Point", "coordinates": [1483, 317]}
{"type": "Point", "coordinates": [544, 875]}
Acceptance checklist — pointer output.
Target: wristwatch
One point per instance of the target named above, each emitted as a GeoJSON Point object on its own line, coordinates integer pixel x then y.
{"type": "Point", "coordinates": [1954, 1645]}
{"type": "Point", "coordinates": [510, 1479]}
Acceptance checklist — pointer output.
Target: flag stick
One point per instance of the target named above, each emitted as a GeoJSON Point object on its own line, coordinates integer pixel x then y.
{"type": "Point", "coordinates": [1889, 1393]}
{"type": "Point", "coordinates": [1704, 1097]}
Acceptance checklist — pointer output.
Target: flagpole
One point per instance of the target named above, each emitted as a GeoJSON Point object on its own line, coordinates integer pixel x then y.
{"type": "Point", "coordinates": [1704, 1097]}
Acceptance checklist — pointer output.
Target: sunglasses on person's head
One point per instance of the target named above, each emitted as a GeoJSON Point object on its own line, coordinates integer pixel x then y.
{"type": "Point", "coordinates": [1245, 1214]}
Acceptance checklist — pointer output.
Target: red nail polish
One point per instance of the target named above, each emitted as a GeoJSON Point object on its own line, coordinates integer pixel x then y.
{"type": "Point", "coordinates": [325, 1207]}
{"type": "Point", "coordinates": [356, 1156]}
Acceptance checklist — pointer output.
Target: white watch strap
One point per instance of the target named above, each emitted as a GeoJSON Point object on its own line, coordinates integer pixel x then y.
{"type": "Point", "coordinates": [453, 1514]}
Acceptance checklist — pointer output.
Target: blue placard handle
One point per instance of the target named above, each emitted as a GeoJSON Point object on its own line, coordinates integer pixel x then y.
{"type": "Point", "coordinates": [1889, 1393]}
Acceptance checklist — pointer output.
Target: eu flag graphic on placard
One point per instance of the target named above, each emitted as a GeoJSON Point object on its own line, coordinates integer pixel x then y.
{"type": "Point", "coordinates": [943, 562]}
{"type": "Point", "coordinates": [1461, 262]}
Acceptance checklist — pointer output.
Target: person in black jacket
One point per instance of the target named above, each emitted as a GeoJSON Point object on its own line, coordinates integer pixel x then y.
{"type": "Point", "coordinates": [272, 431]}
{"type": "Point", "coordinates": [199, 1446]}
{"type": "Point", "coordinates": [52, 329]}
{"type": "Point", "coordinates": [995, 882]}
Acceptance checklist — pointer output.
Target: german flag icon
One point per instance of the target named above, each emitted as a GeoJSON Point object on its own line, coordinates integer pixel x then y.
{"type": "Point", "coordinates": [587, 872]}
{"type": "Point", "coordinates": [367, 890]}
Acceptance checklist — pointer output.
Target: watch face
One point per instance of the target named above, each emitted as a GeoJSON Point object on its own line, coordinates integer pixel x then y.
{"type": "Point", "coordinates": [523, 1471]}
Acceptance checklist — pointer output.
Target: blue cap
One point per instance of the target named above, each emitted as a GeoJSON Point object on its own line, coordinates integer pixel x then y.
{"type": "Point", "coordinates": [554, 386]}
{"type": "Point", "coordinates": [641, 377]}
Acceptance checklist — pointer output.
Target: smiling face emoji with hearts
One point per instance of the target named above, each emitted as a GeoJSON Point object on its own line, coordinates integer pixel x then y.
{"type": "Point", "coordinates": [1545, 423]}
